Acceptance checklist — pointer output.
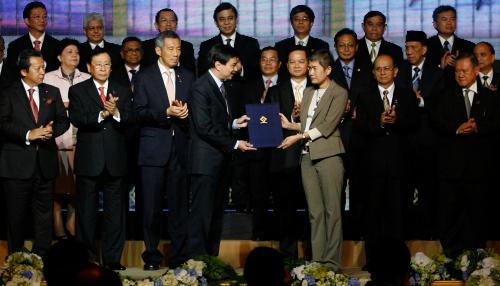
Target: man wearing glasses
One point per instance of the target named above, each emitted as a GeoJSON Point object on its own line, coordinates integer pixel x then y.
{"type": "Point", "coordinates": [35, 18]}
{"type": "Point", "coordinates": [302, 20]}
{"type": "Point", "coordinates": [93, 27]}
{"type": "Point", "coordinates": [101, 110]}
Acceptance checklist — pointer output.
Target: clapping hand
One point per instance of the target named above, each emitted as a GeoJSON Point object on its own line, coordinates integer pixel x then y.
{"type": "Point", "coordinates": [178, 109]}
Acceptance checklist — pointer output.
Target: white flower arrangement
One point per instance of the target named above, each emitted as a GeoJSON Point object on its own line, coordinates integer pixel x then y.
{"type": "Point", "coordinates": [426, 269]}
{"type": "Point", "coordinates": [487, 272]}
{"type": "Point", "coordinates": [189, 274]}
{"type": "Point", "coordinates": [23, 268]}
{"type": "Point", "coordinates": [320, 275]}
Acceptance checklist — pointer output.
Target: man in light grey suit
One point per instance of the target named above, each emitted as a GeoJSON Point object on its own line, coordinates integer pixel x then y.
{"type": "Point", "coordinates": [321, 166]}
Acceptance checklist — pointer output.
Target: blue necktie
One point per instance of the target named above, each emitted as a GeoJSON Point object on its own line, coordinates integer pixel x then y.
{"type": "Point", "coordinates": [347, 75]}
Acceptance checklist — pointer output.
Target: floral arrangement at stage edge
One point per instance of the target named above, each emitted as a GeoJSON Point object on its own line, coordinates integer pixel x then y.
{"type": "Point", "coordinates": [479, 267]}
{"type": "Point", "coordinates": [425, 269]}
{"type": "Point", "coordinates": [320, 274]}
{"type": "Point", "coordinates": [189, 274]}
{"type": "Point", "coordinates": [22, 269]}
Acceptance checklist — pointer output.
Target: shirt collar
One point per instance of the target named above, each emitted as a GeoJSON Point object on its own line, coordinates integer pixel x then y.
{"type": "Point", "coordinates": [369, 43]}
{"type": "Point", "coordinates": [473, 87]}
{"type": "Point", "coordinates": [217, 80]}
{"type": "Point", "coordinates": [232, 37]}
{"type": "Point", "coordinates": [32, 39]}
{"type": "Point", "coordinates": [350, 64]}
{"type": "Point", "coordinates": [420, 66]}
{"type": "Point", "coordinates": [489, 74]}
{"type": "Point", "coordinates": [163, 69]}
{"type": "Point", "coordinates": [128, 69]}
{"type": "Point", "coordinates": [390, 89]}
{"type": "Point", "coordinates": [26, 87]}
{"type": "Point", "coordinates": [274, 79]}
{"type": "Point", "coordinates": [101, 45]}
{"type": "Point", "coordinates": [450, 41]}
{"type": "Point", "coordinates": [98, 85]}
{"type": "Point", "coordinates": [304, 40]}
{"type": "Point", "coordinates": [303, 83]}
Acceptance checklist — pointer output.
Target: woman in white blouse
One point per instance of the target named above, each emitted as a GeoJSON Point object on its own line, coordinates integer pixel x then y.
{"type": "Point", "coordinates": [64, 77]}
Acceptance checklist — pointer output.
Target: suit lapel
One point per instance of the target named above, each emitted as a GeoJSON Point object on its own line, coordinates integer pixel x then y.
{"type": "Point", "coordinates": [325, 99]}
{"type": "Point", "coordinates": [216, 90]}
{"type": "Point", "coordinates": [94, 93]}
{"type": "Point", "coordinates": [23, 101]}
{"type": "Point", "coordinates": [162, 89]}
{"type": "Point", "coordinates": [339, 72]}
{"type": "Point", "coordinates": [179, 85]}
{"type": "Point", "coordinates": [43, 95]}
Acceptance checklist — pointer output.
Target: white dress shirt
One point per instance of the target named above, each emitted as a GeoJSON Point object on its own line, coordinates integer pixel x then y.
{"type": "Point", "coordinates": [105, 85]}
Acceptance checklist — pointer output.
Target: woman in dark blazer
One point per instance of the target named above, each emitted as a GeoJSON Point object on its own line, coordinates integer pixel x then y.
{"type": "Point", "coordinates": [321, 165]}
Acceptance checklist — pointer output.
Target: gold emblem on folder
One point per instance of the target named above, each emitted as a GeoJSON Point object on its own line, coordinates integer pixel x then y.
{"type": "Point", "coordinates": [263, 120]}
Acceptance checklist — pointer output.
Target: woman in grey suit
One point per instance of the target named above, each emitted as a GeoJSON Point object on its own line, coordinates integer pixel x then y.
{"type": "Point", "coordinates": [321, 165]}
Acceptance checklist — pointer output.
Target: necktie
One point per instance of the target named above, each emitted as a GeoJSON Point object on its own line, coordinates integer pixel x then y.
{"type": "Point", "coordinates": [301, 43]}
{"type": "Point", "coordinates": [485, 81]}
{"type": "Point", "coordinates": [33, 106]}
{"type": "Point", "coordinates": [446, 46]}
{"type": "Point", "coordinates": [101, 93]}
{"type": "Point", "coordinates": [228, 42]}
{"type": "Point", "coordinates": [268, 84]}
{"type": "Point", "coordinates": [373, 53]}
{"type": "Point", "coordinates": [132, 79]}
{"type": "Point", "coordinates": [297, 94]}
{"type": "Point", "coordinates": [169, 84]}
{"type": "Point", "coordinates": [224, 95]}
{"type": "Point", "coordinates": [37, 45]}
{"type": "Point", "coordinates": [416, 79]}
{"type": "Point", "coordinates": [387, 105]}
{"type": "Point", "coordinates": [467, 102]}
{"type": "Point", "coordinates": [347, 75]}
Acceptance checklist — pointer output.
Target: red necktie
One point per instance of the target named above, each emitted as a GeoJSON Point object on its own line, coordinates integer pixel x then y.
{"type": "Point", "coordinates": [33, 106]}
{"type": "Point", "coordinates": [101, 93]}
{"type": "Point", "coordinates": [37, 45]}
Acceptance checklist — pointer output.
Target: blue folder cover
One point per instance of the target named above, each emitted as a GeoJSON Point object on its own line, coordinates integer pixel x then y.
{"type": "Point", "coordinates": [264, 127]}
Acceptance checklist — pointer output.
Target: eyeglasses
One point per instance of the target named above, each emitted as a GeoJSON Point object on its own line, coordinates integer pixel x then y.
{"type": "Point", "coordinates": [383, 69]}
{"type": "Point", "coordinates": [298, 19]}
{"type": "Point", "coordinates": [102, 66]}
{"type": "Point", "coordinates": [95, 28]}
{"type": "Point", "coordinates": [129, 51]}
{"type": "Point", "coordinates": [346, 46]}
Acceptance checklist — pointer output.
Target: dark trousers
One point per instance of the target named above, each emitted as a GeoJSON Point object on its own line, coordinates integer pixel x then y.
{"type": "Point", "coordinates": [209, 198]}
{"type": "Point", "coordinates": [462, 216]}
{"type": "Point", "coordinates": [113, 223]}
{"type": "Point", "coordinates": [258, 183]}
{"type": "Point", "coordinates": [32, 196]}
{"type": "Point", "coordinates": [159, 183]}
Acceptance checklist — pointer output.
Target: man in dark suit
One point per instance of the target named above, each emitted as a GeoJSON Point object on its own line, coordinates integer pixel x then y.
{"type": "Point", "coordinates": [31, 116]}
{"type": "Point", "coordinates": [101, 110]}
{"type": "Point", "coordinates": [485, 54]}
{"type": "Point", "coordinates": [467, 118]}
{"type": "Point", "coordinates": [35, 18]}
{"type": "Point", "coordinates": [6, 76]}
{"type": "Point", "coordinates": [421, 75]}
{"type": "Point", "coordinates": [444, 47]}
{"type": "Point", "coordinates": [210, 151]}
{"type": "Point", "coordinates": [131, 53]}
{"type": "Point", "coordinates": [254, 165]}
{"type": "Point", "coordinates": [166, 20]}
{"type": "Point", "coordinates": [354, 77]}
{"type": "Point", "coordinates": [93, 27]}
{"type": "Point", "coordinates": [302, 21]}
{"type": "Point", "coordinates": [226, 18]}
{"type": "Point", "coordinates": [372, 44]}
{"type": "Point", "coordinates": [386, 113]}
{"type": "Point", "coordinates": [286, 183]}
{"type": "Point", "coordinates": [160, 103]}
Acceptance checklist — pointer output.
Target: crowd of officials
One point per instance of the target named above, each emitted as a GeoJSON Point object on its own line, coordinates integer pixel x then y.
{"type": "Point", "coordinates": [412, 140]}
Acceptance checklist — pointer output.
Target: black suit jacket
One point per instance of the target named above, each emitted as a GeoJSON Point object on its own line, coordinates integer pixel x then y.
{"type": "Point", "coordinates": [120, 75]}
{"type": "Point", "coordinates": [281, 160]}
{"type": "Point", "coordinates": [86, 50]}
{"type": "Point", "coordinates": [387, 147]}
{"type": "Point", "coordinates": [285, 46]}
{"type": "Point", "coordinates": [7, 77]}
{"type": "Point", "coordinates": [18, 160]}
{"type": "Point", "coordinates": [210, 128]}
{"type": "Point", "coordinates": [150, 103]}
{"type": "Point", "coordinates": [99, 145]}
{"type": "Point", "coordinates": [466, 157]}
{"type": "Point", "coordinates": [386, 48]}
{"type": "Point", "coordinates": [186, 59]}
{"type": "Point", "coordinates": [49, 52]}
{"type": "Point", "coordinates": [435, 50]}
{"type": "Point", "coordinates": [247, 48]}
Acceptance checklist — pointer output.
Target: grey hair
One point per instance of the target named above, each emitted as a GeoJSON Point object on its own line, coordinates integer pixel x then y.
{"type": "Point", "coordinates": [160, 39]}
{"type": "Point", "coordinates": [91, 17]}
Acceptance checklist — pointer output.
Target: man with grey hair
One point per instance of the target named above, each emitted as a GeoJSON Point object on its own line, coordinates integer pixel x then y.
{"type": "Point", "coordinates": [93, 27]}
{"type": "Point", "coordinates": [161, 93]}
